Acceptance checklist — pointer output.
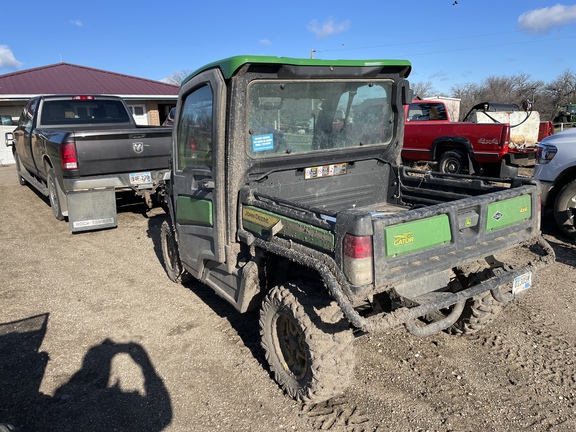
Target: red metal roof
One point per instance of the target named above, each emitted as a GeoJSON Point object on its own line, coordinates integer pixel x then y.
{"type": "Point", "coordinates": [66, 78]}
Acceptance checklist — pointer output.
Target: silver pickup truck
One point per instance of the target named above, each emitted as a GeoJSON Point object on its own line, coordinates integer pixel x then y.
{"type": "Point", "coordinates": [79, 150]}
{"type": "Point", "coordinates": [556, 172]}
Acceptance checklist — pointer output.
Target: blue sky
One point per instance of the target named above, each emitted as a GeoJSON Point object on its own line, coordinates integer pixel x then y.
{"type": "Point", "coordinates": [447, 43]}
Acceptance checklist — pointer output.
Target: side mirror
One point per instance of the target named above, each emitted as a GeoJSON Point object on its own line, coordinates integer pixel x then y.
{"type": "Point", "coordinates": [9, 138]}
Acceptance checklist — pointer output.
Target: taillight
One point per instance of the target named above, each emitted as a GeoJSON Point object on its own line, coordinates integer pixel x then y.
{"type": "Point", "coordinates": [358, 259]}
{"type": "Point", "coordinates": [68, 157]}
{"type": "Point", "coordinates": [505, 135]}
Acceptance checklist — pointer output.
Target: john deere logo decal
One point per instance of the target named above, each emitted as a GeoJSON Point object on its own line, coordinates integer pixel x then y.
{"type": "Point", "coordinates": [403, 239]}
{"type": "Point", "coordinates": [497, 216]}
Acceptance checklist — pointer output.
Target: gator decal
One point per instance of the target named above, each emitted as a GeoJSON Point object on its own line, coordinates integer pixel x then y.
{"type": "Point", "coordinates": [194, 211]}
{"type": "Point", "coordinates": [260, 222]}
{"type": "Point", "coordinates": [416, 236]}
{"type": "Point", "coordinates": [508, 212]}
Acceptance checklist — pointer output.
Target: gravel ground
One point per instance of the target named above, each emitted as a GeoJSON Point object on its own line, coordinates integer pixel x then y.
{"type": "Point", "coordinates": [93, 336]}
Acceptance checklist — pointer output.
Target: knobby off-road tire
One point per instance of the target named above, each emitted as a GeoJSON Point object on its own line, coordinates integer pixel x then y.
{"type": "Point", "coordinates": [307, 342]}
{"type": "Point", "coordinates": [452, 162]}
{"type": "Point", "coordinates": [170, 253]}
{"type": "Point", "coordinates": [564, 212]}
{"type": "Point", "coordinates": [478, 312]}
{"type": "Point", "coordinates": [54, 195]}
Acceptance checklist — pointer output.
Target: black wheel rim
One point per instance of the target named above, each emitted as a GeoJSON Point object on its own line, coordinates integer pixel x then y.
{"type": "Point", "coordinates": [292, 344]}
{"type": "Point", "coordinates": [452, 166]}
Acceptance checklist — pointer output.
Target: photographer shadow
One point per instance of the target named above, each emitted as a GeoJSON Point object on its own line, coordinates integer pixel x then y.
{"type": "Point", "coordinates": [117, 387]}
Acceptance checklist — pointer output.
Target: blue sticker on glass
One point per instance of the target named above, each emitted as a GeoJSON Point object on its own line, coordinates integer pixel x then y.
{"type": "Point", "coordinates": [262, 142]}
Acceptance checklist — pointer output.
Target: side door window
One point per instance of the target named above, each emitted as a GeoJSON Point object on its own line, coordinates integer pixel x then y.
{"type": "Point", "coordinates": [194, 139]}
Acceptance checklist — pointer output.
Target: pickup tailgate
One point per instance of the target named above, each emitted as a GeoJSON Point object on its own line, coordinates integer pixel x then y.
{"type": "Point", "coordinates": [123, 151]}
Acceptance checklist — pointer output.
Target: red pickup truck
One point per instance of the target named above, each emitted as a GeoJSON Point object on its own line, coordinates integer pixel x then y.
{"type": "Point", "coordinates": [461, 147]}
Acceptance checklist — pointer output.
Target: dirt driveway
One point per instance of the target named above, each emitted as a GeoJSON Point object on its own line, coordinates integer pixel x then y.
{"type": "Point", "coordinates": [93, 336]}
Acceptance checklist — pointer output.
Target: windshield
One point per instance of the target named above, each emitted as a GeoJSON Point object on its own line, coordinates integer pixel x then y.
{"type": "Point", "coordinates": [305, 116]}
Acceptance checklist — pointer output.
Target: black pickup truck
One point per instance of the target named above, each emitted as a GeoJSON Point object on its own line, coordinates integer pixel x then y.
{"type": "Point", "coordinates": [286, 195]}
{"type": "Point", "coordinates": [80, 150]}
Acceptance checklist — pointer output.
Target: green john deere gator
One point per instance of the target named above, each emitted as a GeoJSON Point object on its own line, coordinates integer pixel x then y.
{"type": "Point", "coordinates": [286, 194]}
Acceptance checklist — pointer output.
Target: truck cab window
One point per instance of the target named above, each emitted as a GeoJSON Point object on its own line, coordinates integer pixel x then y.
{"type": "Point", "coordinates": [195, 129]}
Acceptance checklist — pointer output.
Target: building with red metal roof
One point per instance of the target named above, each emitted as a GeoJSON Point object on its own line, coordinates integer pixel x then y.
{"type": "Point", "coordinates": [149, 100]}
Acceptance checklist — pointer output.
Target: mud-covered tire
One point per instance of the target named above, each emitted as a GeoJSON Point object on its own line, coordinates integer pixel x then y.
{"type": "Point", "coordinates": [170, 253]}
{"type": "Point", "coordinates": [307, 343]}
{"type": "Point", "coordinates": [453, 162]}
{"type": "Point", "coordinates": [478, 312]}
{"type": "Point", "coordinates": [564, 209]}
{"type": "Point", "coordinates": [54, 195]}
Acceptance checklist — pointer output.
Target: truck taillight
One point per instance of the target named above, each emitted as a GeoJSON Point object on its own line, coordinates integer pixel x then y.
{"type": "Point", "coordinates": [505, 135]}
{"type": "Point", "coordinates": [68, 157]}
{"type": "Point", "coordinates": [358, 259]}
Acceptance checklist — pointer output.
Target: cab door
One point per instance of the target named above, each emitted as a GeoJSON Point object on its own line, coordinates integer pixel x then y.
{"type": "Point", "coordinates": [198, 180]}
{"type": "Point", "coordinates": [23, 136]}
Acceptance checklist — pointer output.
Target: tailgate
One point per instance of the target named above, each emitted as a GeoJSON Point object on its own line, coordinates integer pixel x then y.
{"type": "Point", "coordinates": [439, 237]}
{"type": "Point", "coordinates": [123, 151]}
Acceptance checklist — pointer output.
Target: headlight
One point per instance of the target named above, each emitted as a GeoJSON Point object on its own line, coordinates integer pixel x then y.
{"type": "Point", "coordinates": [546, 153]}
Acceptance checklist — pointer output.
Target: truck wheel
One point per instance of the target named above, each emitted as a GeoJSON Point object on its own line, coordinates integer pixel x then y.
{"type": "Point", "coordinates": [19, 169]}
{"type": "Point", "coordinates": [170, 253]}
{"type": "Point", "coordinates": [478, 312]}
{"type": "Point", "coordinates": [452, 162]}
{"type": "Point", "coordinates": [54, 196]}
{"type": "Point", "coordinates": [565, 209]}
{"type": "Point", "coordinates": [307, 343]}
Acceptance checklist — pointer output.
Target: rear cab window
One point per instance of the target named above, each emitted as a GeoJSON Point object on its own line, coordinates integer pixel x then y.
{"type": "Point", "coordinates": [292, 117]}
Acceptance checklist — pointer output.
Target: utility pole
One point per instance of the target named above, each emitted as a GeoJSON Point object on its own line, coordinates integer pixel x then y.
{"type": "Point", "coordinates": [312, 51]}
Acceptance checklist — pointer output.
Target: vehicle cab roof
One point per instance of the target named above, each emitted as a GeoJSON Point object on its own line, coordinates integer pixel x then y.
{"type": "Point", "coordinates": [229, 66]}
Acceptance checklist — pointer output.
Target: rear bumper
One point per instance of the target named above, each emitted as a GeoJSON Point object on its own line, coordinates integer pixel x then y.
{"type": "Point", "coordinates": [522, 159]}
{"type": "Point", "coordinates": [116, 181]}
{"type": "Point", "coordinates": [340, 290]}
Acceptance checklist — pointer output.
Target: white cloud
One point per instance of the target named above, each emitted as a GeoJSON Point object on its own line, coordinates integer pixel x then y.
{"type": "Point", "coordinates": [76, 22]}
{"type": "Point", "coordinates": [265, 42]}
{"type": "Point", "coordinates": [542, 20]}
{"type": "Point", "coordinates": [329, 27]}
{"type": "Point", "coordinates": [7, 59]}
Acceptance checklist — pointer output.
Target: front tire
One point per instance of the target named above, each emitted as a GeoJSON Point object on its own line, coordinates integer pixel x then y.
{"type": "Point", "coordinates": [54, 195]}
{"type": "Point", "coordinates": [307, 343]}
{"type": "Point", "coordinates": [565, 209]}
{"type": "Point", "coordinates": [452, 162]}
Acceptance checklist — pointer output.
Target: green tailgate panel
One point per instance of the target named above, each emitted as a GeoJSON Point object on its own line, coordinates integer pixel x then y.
{"type": "Point", "coordinates": [194, 211]}
{"type": "Point", "coordinates": [416, 236]}
{"type": "Point", "coordinates": [508, 212]}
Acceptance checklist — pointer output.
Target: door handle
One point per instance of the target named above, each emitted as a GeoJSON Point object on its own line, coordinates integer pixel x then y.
{"type": "Point", "coordinates": [207, 184]}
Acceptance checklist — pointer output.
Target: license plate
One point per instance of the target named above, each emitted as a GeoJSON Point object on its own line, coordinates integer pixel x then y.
{"type": "Point", "coordinates": [522, 282]}
{"type": "Point", "coordinates": [140, 178]}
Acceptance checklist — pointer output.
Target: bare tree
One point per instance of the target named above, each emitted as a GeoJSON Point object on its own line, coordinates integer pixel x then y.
{"type": "Point", "coordinates": [177, 77]}
{"type": "Point", "coordinates": [422, 90]}
{"type": "Point", "coordinates": [559, 92]}
{"type": "Point", "coordinates": [513, 89]}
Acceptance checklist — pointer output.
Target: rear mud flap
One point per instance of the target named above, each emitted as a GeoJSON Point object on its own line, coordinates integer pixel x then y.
{"type": "Point", "coordinates": [92, 210]}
